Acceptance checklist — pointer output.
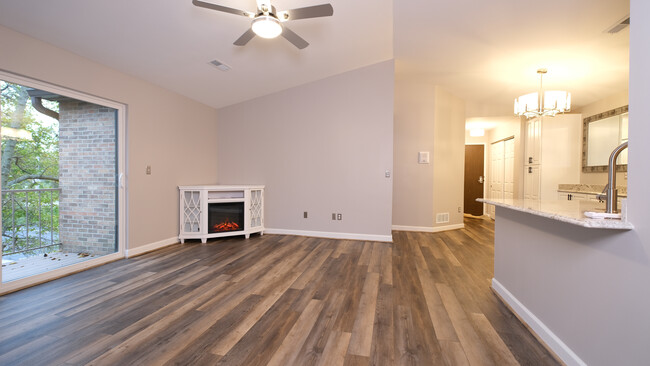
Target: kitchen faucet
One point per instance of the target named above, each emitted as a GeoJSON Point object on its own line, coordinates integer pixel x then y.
{"type": "Point", "coordinates": [612, 192]}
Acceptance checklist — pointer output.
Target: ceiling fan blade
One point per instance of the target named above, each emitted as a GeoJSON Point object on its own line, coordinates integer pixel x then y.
{"type": "Point", "coordinates": [324, 10]}
{"type": "Point", "coordinates": [295, 39]}
{"type": "Point", "coordinates": [247, 36]}
{"type": "Point", "coordinates": [225, 9]}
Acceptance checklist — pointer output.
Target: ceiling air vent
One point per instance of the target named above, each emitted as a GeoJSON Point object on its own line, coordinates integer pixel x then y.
{"type": "Point", "coordinates": [220, 65]}
{"type": "Point", "coordinates": [619, 26]}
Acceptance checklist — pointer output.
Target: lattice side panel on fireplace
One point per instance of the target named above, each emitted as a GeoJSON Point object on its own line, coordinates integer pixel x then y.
{"type": "Point", "coordinates": [256, 208]}
{"type": "Point", "coordinates": [192, 211]}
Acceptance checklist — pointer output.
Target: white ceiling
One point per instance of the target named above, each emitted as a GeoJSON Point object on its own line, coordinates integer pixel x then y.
{"type": "Point", "coordinates": [485, 52]}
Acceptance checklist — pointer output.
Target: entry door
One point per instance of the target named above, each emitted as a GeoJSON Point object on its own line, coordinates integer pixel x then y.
{"type": "Point", "coordinates": [474, 171]}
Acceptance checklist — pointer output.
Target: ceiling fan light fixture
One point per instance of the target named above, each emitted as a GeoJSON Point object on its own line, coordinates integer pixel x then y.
{"type": "Point", "coordinates": [267, 26]}
{"type": "Point", "coordinates": [266, 20]}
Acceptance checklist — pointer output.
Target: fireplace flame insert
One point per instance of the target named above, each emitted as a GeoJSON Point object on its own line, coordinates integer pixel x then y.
{"type": "Point", "coordinates": [226, 216]}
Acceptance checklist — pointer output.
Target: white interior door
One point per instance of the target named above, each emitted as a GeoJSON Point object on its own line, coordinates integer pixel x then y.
{"type": "Point", "coordinates": [496, 172]}
{"type": "Point", "coordinates": [509, 169]}
{"type": "Point", "coordinates": [502, 168]}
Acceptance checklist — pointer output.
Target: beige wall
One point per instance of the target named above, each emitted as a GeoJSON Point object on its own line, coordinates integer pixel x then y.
{"type": "Point", "coordinates": [448, 157]}
{"type": "Point", "coordinates": [427, 118]}
{"type": "Point", "coordinates": [321, 147]}
{"type": "Point", "coordinates": [606, 104]}
{"type": "Point", "coordinates": [173, 134]}
{"type": "Point", "coordinates": [613, 101]}
{"type": "Point", "coordinates": [561, 153]}
{"type": "Point", "coordinates": [413, 182]}
{"type": "Point", "coordinates": [480, 110]}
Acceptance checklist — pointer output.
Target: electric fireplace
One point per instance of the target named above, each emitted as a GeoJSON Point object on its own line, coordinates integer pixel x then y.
{"type": "Point", "coordinates": [225, 216]}
{"type": "Point", "coordinates": [217, 211]}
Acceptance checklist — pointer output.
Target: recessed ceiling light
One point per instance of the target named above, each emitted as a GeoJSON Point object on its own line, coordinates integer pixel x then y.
{"type": "Point", "coordinates": [477, 132]}
{"type": "Point", "coordinates": [220, 65]}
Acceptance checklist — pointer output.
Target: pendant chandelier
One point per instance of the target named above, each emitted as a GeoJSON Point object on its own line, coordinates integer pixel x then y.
{"type": "Point", "coordinates": [543, 103]}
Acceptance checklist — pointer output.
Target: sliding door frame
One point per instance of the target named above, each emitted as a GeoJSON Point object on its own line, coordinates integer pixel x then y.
{"type": "Point", "coordinates": [121, 182]}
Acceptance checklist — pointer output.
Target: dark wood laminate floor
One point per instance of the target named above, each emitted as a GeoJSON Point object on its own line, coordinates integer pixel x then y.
{"type": "Point", "coordinates": [277, 300]}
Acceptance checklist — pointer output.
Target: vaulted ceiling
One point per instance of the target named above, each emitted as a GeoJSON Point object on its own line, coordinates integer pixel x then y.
{"type": "Point", "coordinates": [485, 52]}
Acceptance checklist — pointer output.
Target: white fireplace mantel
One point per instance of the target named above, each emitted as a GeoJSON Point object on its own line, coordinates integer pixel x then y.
{"type": "Point", "coordinates": [194, 201]}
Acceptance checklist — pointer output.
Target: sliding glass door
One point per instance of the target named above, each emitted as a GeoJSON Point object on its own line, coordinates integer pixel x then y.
{"type": "Point", "coordinates": [61, 193]}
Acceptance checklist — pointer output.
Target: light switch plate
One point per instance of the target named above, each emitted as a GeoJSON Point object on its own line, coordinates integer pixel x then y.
{"type": "Point", "coordinates": [423, 157]}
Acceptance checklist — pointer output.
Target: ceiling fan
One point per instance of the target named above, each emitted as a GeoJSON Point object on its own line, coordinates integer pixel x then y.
{"type": "Point", "coordinates": [267, 22]}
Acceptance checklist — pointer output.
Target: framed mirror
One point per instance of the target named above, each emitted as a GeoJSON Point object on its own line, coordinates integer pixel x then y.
{"type": "Point", "coordinates": [602, 133]}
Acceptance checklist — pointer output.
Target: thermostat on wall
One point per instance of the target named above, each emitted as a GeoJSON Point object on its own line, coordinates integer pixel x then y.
{"type": "Point", "coordinates": [423, 157]}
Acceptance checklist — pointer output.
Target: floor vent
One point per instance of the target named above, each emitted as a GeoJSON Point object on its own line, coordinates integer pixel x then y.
{"type": "Point", "coordinates": [441, 218]}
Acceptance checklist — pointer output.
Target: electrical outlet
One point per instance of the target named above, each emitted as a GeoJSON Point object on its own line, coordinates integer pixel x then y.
{"type": "Point", "coordinates": [148, 169]}
{"type": "Point", "coordinates": [459, 209]}
{"type": "Point", "coordinates": [333, 216]}
{"type": "Point", "coordinates": [304, 215]}
{"type": "Point", "coordinates": [339, 216]}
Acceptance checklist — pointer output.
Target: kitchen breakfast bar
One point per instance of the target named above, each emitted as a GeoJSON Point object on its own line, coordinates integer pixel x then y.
{"type": "Point", "coordinates": [550, 265]}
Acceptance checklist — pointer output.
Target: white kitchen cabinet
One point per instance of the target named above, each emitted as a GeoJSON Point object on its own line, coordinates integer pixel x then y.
{"type": "Point", "coordinates": [533, 141]}
{"type": "Point", "coordinates": [532, 181]}
{"type": "Point", "coordinates": [572, 196]}
{"type": "Point", "coordinates": [552, 154]}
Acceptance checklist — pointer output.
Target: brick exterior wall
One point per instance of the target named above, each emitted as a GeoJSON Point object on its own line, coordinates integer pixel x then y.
{"type": "Point", "coordinates": [87, 177]}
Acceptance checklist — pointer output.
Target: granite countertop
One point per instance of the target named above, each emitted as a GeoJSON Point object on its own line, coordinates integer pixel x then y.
{"type": "Point", "coordinates": [571, 212]}
{"type": "Point", "coordinates": [589, 189]}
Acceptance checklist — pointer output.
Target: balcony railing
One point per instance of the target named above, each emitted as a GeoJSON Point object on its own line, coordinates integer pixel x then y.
{"type": "Point", "coordinates": [30, 220]}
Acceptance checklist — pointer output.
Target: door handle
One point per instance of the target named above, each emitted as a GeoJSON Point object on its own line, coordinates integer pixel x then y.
{"type": "Point", "coordinates": [480, 179]}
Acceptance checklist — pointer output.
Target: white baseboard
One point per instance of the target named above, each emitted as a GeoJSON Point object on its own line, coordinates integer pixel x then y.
{"type": "Point", "coordinates": [428, 229]}
{"type": "Point", "coordinates": [553, 342]}
{"type": "Point", "coordinates": [331, 235]}
{"type": "Point", "coordinates": [150, 247]}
